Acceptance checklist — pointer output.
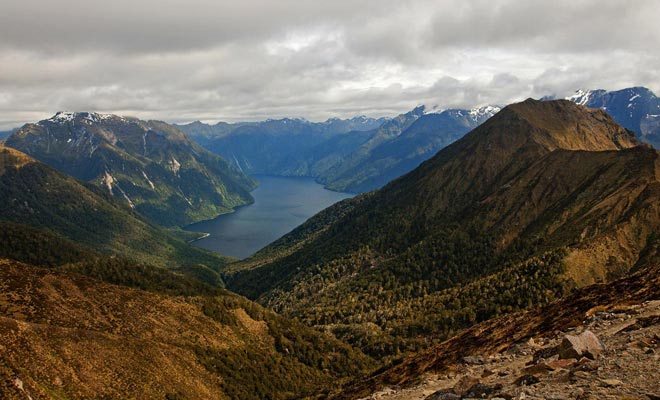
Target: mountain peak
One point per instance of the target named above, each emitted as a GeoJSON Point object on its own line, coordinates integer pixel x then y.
{"type": "Point", "coordinates": [567, 125]}
{"type": "Point", "coordinates": [91, 117]}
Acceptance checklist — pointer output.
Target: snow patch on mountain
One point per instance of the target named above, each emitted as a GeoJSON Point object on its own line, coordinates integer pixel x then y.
{"type": "Point", "coordinates": [581, 96]}
{"type": "Point", "coordinates": [485, 112]}
{"type": "Point", "coordinates": [93, 117]}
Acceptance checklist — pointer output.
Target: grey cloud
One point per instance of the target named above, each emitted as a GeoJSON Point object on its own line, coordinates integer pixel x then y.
{"type": "Point", "coordinates": [212, 60]}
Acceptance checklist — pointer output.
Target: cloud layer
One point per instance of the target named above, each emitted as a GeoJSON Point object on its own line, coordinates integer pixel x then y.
{"type": "Point", "coordinates": [248, 60]}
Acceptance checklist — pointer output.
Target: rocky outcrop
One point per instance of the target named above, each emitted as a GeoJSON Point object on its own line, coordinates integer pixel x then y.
{"type": "Point", "coordinates": [584, 345]}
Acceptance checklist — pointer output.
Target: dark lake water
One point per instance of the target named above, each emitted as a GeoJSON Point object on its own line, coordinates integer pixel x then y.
{"type": "Point", "coordinates": [280, 204]}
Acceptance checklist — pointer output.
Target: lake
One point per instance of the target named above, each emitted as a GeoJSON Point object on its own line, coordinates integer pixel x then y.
{"type": "Point", "coordinates": [280, 204]}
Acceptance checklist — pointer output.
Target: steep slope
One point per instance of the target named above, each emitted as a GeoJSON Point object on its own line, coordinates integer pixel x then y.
{"type": "Point", "coordinates": [150, 165]}
{"type": "Point", "coordinates": [636, 108]}
{"type": "Point", "coordinates": [400, 146]}
{"type": "Point", "coordinates": [63, 335]}
{"type": "Point", "coordinates": [36, 195]}
{"type": "Point", "coordinates": [542, 197]}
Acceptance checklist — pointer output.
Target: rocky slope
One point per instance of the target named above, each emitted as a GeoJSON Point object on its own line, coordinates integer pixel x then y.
{"type": "Point", "coordinates": [524, 355]}
{"type": "Point", "coordinates": [63, 335]}
{"type": "Point", "coordinates": [542, 197]}
{"type": "Point", "coordinates": [150, 165]}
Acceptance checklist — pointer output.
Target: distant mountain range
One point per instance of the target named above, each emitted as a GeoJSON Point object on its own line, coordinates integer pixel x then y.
{"type": "Point", "coordinates": [150, 165]}
{"type": "Point", "coordinates": [542, 197]}
{"type": "Point", "coordinates": [353, 155]}
{"type": "Point", "coordinates": [362, 154]}
{"type": "Point", "coordinates": [399, 146]}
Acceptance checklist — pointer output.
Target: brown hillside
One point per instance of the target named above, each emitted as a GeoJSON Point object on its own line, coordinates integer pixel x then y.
{"type": "Point", "coordinates": [67, 336]}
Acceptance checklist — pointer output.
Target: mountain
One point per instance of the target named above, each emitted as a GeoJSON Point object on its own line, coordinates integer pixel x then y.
{"type": "Point", "coordinates": [400, 145]}
{"type": "Point", "coordinates": [150, 165]}
{"type": "Point", "coordinates": [635, 108]}
{"type": "Point", "coordinates": [65, 335]}
{"type": "Point", "coordinates": [277, 147]}
{"type": "Point", "coordinates": [42, 208]}
{"type": "Point", "coordinates": [541, 198]}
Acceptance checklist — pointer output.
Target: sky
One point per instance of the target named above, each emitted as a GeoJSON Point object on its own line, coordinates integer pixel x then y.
{"type": "Point", "coordinates": [213, 60]}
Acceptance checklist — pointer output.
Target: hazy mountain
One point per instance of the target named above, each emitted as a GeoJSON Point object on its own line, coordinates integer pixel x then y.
{"type": "Point", "coordinates": [399, 146]}
{"type": "Point", "coordinates": [5, 134]}
{"type": "Point", "coordinates": [352, 155]}
{"type": "Point", "coordinates": [150, 165]}
{"type": "Point", "coordinates": [542, 197]}
{"type": "Point", "coordinates": [204, 133]}
{"type": "Point", "coordinates": [635, 108]}
{"type": "Point", "coordinates": [284, 147]}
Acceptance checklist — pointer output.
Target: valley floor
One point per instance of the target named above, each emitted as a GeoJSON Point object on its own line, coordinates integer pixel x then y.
{"type": "Point", "coordinates": [629, 368]}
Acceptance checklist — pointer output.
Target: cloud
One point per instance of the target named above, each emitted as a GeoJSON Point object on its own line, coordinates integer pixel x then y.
{"type": "Point", "coordinates": [248, 60]}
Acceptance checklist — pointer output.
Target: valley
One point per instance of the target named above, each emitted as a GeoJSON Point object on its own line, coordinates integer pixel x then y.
{"type": "Point", "coordinates": [346, 200]}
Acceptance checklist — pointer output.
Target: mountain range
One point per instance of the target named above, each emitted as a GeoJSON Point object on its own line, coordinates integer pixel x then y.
{"type": "Point", "coordinates": [363, 157]}
{"type": "Point", "coordinates": [353, 155]}
{"type": "Point", "coordinates": [150, 165]}
{"type": "Point", "coordinates": [541, 198]}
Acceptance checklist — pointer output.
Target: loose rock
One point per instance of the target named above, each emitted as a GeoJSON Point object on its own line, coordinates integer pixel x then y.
{"type": "Point", "coordinates": [584, 345]}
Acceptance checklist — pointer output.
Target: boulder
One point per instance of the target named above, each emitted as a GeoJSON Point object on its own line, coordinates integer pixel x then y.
{"type": "Point", "coordinates": [584, 345]}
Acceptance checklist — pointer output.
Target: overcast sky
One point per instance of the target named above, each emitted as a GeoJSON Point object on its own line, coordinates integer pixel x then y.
{"type": "Point", "coordinates": [249, 59]}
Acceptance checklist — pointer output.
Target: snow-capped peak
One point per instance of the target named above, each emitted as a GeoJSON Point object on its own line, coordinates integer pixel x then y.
{"type": "Point", "coordinates": [485, 112]}
{"type": "Point", "coordinates": [580, 96]}
{"type": "Point", "coordinates": [68, 116]}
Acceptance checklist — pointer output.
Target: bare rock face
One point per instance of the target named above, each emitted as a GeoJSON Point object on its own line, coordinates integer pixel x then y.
{"type": "Point", "coordinates": [584, 345]}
